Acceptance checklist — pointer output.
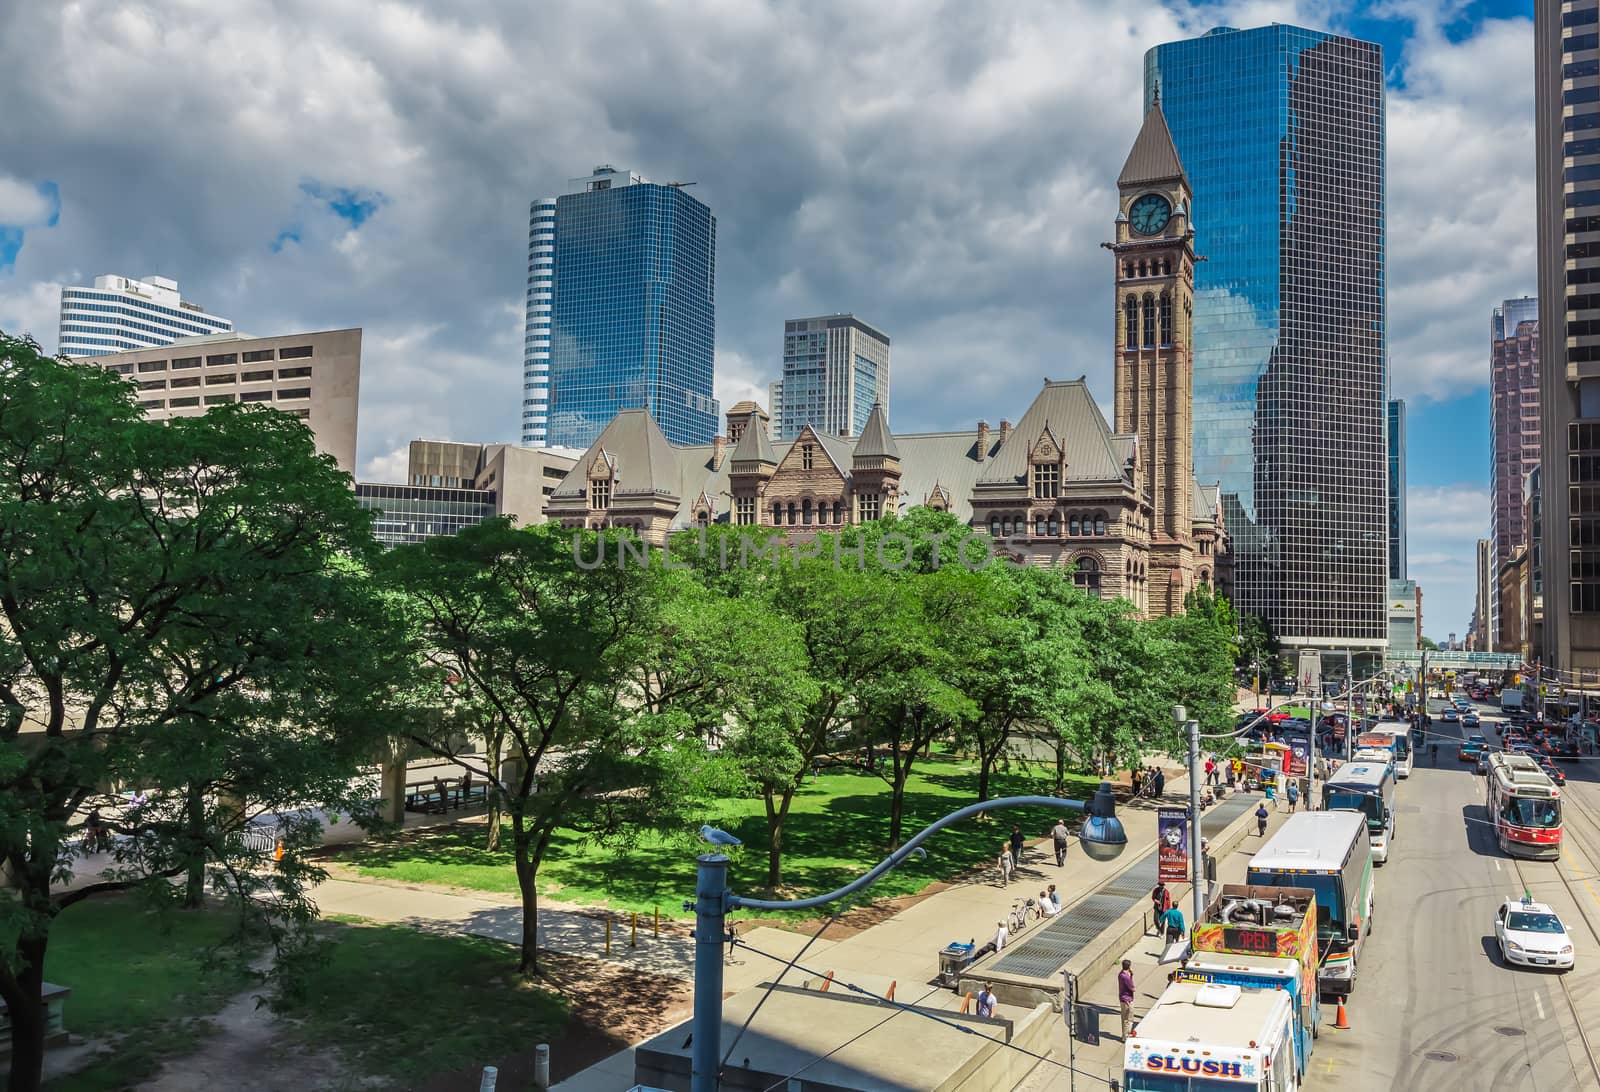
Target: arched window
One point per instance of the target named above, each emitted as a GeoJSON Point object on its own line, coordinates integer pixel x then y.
{"type": "Point", "coordinates": [1055, 525]}
{"type": "Point", "coordinates": [1127, 269]}
{"type": "Point", "coordinates": [1166, 267]}
{"type": "Point", "coordinates": [1086, 576]}
{"type": "Point", "coordinates": [704, 517]}
{"type": "Point", "coordinates": [994, 526]}
{"type": "Point", "coordinates": [777, 514]}
{"type": "Point", "coordinates": [1099, 523]}
{"type": "Point", "coordinates": [1038, 526]}
{"type": "Point", "coordinates": [1072, 526]}
{"type": "Point", "coordinates": [805, 512]}
{"type": "Point", "coordinates": [1005, 526]}
{"type": "Point", "coordinates": [1166, 319]}
{"type": "Point", "coordinates": [1205, 578]}
{"type": "Point", "coordinates": [1149, 322]}
{"type": "Point", "coordinates": [791, 513]}
{"type": "Point", "coordinates": [838, 512]}
{"type": "Point", "coordinates": [1130, 334]}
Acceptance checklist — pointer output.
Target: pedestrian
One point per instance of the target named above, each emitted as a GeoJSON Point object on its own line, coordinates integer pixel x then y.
{"type": "Point", "coordinates": [94, 831]}
{"type": "Point", "coordinates": [1001, 936]}
{"type": "Point", "coordinates": [1211, 772]}
{"type": "Point", "coordinates": [1293, 794]}
{"type": "Point", "coordinates": [1161, 783]}
{"type": "Point", "coordinates": [1160, 900]}
{"type": "Point", "coordinates": [1007, 864]}
{"type": "Point", "coordinates": [1136, 780]}
{"type": "Point", "coordinates": [1173, 922]}
{"type": "Point", "coordinates": [1125, 996]}
{"type": "Point", "coordinates": [1058, 836]}
{"type": "Point", "coordinates": [1055, 896]}
{"type": "Point", "coordinates": [1261, 820]}
{"type": "Point", "coordinates": [1016, 846]}
{"type": "Point", "coordinates": [1047, 908]}
{"type": "Point", "coordinates": [986, 1000]}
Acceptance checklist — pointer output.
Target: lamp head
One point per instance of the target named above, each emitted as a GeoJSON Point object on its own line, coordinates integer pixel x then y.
{"type": "Point", "coordinates": [1102, 836]}
{"type": "Point", "coordinates": [1180, 715]}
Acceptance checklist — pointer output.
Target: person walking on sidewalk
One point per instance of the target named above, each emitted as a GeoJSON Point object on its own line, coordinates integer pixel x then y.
{"type": "Point", "coordinates": [1161, 783]}
{"type": "Point", "coordinates": [1261, 820]}
{"type": "Point", "coordinates": [1172, 922]}
{"type": "Point", "coordinates": [1125, 996]}
{"type": "Point", "coordinates": [1294, 795]}
{"type": "Point", "coordinates": [1016, 846]}
{"type": "Point", "coordinates": [1007, 863]}
{"type": "Point", "coordinates": [1058, 836]}
{"type": "Point", "coordinates": [1160, 901]}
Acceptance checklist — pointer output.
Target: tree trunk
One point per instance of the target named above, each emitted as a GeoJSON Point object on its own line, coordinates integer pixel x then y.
{"type": "Point", "coordinates": [1061, 766]}
{"type": "Point", "coordinates": [775, 818]}
{"type": "Point", "coordinates": [492, 764]}
{"type": "Point", "coordinates": [27, 1013]}
{"type": "Point", "coordinates": [983, 773]}
{"type": "Point", "coordinates": [897, 807]}
{"type": "Point", "coordinates": [194, 809]}
{"type": "Point", "coordinates": [528, 886]}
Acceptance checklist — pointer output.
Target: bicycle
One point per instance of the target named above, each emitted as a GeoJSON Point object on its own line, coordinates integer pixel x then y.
{"type": "Point", "coordinates": [1017, 921]}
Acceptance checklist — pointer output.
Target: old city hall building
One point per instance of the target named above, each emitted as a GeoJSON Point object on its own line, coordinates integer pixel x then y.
{"type": "Point", "coordinates": [1120, 507]}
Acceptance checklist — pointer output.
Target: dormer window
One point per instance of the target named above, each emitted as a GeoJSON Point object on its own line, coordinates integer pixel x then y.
{"type": "Point", "coordinates": [600, 493]}
{"type": "Point", "coordinates": [807, 457]}
{"type": "Point", "coordinates": [1046, 481]}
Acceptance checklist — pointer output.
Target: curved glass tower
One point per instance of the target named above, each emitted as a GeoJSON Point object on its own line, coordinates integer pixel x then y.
{"type": "Point", "coordinates": [1281, 131]}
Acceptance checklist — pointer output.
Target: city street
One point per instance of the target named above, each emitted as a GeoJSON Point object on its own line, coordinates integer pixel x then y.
{"type": "Point", "coordinates": [1433, 1007]}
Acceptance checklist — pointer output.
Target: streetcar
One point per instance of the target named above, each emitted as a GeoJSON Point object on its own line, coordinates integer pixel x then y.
{"type": "Point", "coordinates": [1525, 807]}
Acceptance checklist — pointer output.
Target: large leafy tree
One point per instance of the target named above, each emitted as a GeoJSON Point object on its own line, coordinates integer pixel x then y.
{"type": "Point", "coordinates": [552, 646]}
{"type": "Point", "coordinates": [1198, 672]}
{"type": "Point", "coordinates": [182, 611]}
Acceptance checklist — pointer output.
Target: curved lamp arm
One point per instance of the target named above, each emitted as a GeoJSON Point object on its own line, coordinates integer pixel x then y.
{"type": "Point", "coordinates": [899, 855]}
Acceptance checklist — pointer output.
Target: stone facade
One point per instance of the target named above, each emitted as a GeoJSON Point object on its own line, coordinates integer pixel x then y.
{"type": "Point", "coordinates": [1061, 487]}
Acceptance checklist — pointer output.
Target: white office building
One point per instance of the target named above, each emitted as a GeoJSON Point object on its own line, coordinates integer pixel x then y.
{"type": "Point", "coordinates": [835, 369]}
{"type": "Point", "coordinates": [536, 333]}
{"type": "Point", "coordinates": [120, 313]}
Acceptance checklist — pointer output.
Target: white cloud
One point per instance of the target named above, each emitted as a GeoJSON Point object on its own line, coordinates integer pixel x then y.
{"type": "Point", "coordinates": [1444, 524]}
{"type": "Point", "coordinates": [22, 205]}
{"type": "Point", "coordinates": [390, 468]}
{"type": "Point", "coordinates": [32, 307]}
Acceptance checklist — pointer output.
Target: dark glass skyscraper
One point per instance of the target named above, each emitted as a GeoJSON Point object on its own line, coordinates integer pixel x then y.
{"type": "Point", "coordinates": [633, 318]}
{"type": "Point", "coordinates": [1281, 131]}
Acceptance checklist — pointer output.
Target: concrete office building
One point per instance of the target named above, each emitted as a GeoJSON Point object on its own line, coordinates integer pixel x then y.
{"type": "Point", "coordinates": [450, 486]}
{"type": "Point", "coordinates": [835, 369]}
{"type": "Point", "coordinates": [120, 313]}
{"type": "Point", "coordinates": [1513, 437]}
{"type": "Point", "coordinates": [1289, 322]}
{"type": "Point", "coordinates": [315, 377]}
{"type": "Point", "coordinates": [1397, 489]}
{"type": "Point", "coordinates": [621, 310]}
{"type": "Point", "coordinates": [1567, 141]}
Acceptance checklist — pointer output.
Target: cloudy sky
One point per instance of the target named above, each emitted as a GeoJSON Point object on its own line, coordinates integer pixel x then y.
{"type": "Point", "coordinates": [945, 170]}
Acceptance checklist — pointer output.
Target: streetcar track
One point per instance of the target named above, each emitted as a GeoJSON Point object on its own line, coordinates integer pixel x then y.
{"type": "Point", "coordinates": [1588, 922]}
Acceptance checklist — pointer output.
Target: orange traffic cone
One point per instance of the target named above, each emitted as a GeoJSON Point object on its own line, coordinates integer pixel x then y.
{"type": "Point", "coordinates": [1341, 1021]}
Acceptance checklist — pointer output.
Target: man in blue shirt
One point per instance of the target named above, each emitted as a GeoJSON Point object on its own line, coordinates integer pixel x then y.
{"type": "Point", "coordinates": [1173, 920]}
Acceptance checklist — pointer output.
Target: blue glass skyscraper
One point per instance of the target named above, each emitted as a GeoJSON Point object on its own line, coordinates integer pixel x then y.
{"type": "Point", "coordinates": [632, 323]}
{"type": "Point", "coordinates": [1281, 131]}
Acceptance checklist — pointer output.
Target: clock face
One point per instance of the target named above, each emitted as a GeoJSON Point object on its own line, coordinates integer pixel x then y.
{"type": "Point", "coordinates": [1149, 214]}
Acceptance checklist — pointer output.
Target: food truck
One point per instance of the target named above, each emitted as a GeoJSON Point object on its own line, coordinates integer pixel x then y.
{"type": "Point", "coordinates": [1201, 1035]}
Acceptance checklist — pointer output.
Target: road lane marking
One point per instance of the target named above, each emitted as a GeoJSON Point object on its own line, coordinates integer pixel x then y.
{"type": "Point", "coordinates": [1580, 874]}
{"type": "Point", "coordinates": [1538, 1003]}
{"type": "Point", "coordinates": [1497, 866]}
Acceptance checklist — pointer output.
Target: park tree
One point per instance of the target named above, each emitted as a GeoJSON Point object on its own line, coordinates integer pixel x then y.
{"type": "Point", "coordinates": [551, 631]}
{"type": "Point", "coordinates": [1198, 672]}
{"type": "Point", "coordinates": [1259, 648]}
{"type": "Point", "coordinates": [183, 611]}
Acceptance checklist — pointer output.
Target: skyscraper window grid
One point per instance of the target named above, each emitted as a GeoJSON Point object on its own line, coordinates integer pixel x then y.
{"type": "Point", "coordinates": [1281, 131]}
{"type": "Point", "coordinates": [835, 368]}
{"type": "Point", "coordinates": [122, 313]}
{"type": "Point", "coordinates": [633, 324]}
{"type": "Point", "coordinates": [536, 331]}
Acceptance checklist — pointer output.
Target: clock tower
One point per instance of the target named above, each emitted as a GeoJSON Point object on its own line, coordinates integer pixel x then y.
{"type": "Point", "coordinates": [1155, 258]}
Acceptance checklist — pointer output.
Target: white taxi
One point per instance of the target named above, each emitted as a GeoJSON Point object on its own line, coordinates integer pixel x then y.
{"type": "Point", "coordinates": [1530, 934]}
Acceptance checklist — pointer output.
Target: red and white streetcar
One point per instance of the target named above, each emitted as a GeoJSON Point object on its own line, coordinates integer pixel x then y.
{"type": "Point", "coordinates": [1525, 807]}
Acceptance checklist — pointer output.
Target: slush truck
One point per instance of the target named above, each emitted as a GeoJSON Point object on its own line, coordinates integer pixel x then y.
{"type": "Point", "coordinates": [1205, 1037]}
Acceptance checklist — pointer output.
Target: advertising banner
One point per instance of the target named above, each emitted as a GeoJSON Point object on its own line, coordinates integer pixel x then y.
{"type": "Point", "coordinates": [1172, 832]}
{"type": "Point", "coordinates": [1299, 758]}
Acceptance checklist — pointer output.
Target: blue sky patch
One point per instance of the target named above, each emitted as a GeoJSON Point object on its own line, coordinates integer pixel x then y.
{"type": "Point", "coordinates": [10, 243]}
{"type": "Point", "coordinates": [354, 206]}
{"type": "Point", "coordinates": [285, 237]}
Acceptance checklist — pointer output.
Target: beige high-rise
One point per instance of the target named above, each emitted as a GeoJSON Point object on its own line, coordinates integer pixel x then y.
{"type": "Point", "coordinates": [315, 377]}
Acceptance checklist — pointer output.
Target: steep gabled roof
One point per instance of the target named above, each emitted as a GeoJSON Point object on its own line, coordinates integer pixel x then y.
{"type": "Point", "coordinates": [1087, 443]}
{"type": "Point", "coordinates": [875, 439]}
{"type": "Point", "coordinates": [1154, 157]}
{"type": "Point", "coordinates": [753, 445]}
{"type": "Point", "coordinates": [639, 452]}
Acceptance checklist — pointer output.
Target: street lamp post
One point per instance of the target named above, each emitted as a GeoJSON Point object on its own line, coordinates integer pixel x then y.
{"type": "Point", "coordinates": [1197, 879]}
{"type": "Point", "coordinates": [1102, 838]}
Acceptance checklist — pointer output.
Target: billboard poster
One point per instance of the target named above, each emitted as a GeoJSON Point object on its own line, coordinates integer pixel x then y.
{"type": "Point", "coordinates": [1172, 853]}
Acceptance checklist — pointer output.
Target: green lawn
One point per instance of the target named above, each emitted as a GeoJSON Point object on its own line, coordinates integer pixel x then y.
{"type": "Point", "coordinates": [140, 975]}
{"type": "Point", "coordinates": [837, 829]}
{"type": "Point", "coordinates": [401, 1004]}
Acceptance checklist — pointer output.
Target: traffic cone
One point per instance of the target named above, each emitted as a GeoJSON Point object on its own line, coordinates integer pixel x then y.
{"type": "Point", "coordinates": [1341, 1021]}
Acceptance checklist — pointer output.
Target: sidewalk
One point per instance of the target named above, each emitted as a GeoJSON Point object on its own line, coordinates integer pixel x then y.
{"type": "Point", "coordinates": [1098, 1064]}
